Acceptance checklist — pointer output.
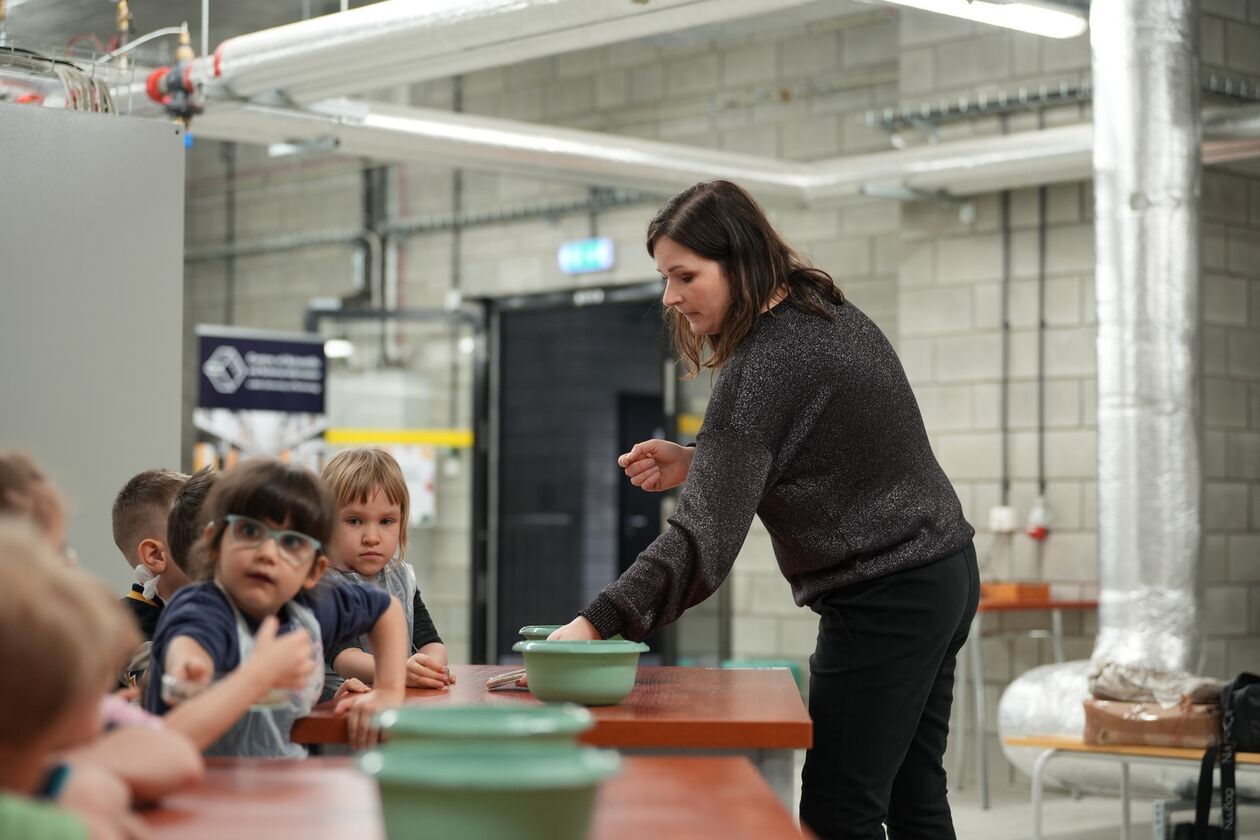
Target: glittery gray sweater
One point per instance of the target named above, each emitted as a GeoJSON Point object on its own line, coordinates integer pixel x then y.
{"type": "Point", "coordinates": [813, 427]}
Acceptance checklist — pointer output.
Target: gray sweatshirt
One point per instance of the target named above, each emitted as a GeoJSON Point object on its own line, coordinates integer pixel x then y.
{"type": "Point", "coordinates": [813, 427]}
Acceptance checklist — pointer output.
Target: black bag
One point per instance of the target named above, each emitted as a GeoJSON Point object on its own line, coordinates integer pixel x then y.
{"type": "Point", "coordinates": [1240, 725]}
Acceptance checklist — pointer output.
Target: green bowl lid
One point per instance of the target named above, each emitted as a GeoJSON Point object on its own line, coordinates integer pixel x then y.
{"type": "Point", "coordinates": [598, 646]}
{"type": "Point", "coordinates": [465, 767]}
{"type": "Point", "coordinates": [539, 629]}
{"type": "Point", "coordinates": [486, 721]}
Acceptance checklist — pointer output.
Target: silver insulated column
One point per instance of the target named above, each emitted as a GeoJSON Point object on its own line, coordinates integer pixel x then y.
{"type": "Point", "coordinates": [1146, 184]}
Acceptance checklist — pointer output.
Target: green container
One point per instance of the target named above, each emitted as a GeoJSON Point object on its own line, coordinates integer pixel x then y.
{"type": "Point", "coordinates": [596, 673]}
{"type": "Point", "coordinates": [538, 632]}
{"type": "Point", "coordinates": [511, 727]}
{"type": "Point", "coordinates": [458, 791]}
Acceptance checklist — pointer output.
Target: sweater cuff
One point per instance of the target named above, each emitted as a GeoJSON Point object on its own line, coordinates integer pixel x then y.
{"type": "Point", "coordinates": [604, 616]}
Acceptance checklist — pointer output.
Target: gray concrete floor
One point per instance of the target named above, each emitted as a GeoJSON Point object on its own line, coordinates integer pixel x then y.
{"type": "Point", "coordinates": [1009, 816]}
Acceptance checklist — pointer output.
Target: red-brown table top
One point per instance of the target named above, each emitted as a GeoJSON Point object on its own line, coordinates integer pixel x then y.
{"type": "Point", "coordinates": [670, 708]}
{"type": "Point", "coordinates": [1003, 605]}
{"type": "Point", "coordinates": [660, 798]}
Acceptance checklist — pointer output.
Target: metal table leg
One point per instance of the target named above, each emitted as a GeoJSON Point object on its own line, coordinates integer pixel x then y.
{"type": "Point", "coordinates": [1038, 782]}
{"type": "Point", "coordinates": [1124, 800]}
{"type": "Point", "coordinates": [1056, 634]}
{"type": "Point", "coordinates": [977, 686]}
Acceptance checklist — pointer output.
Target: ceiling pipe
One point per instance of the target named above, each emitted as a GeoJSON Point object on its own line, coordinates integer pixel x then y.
{"type": "Point", "coordinates": [964, 167]}
{"type": "Point", "coordinates": [1147, 163]}
{"type": "Point", "coordinates": [401, 41]}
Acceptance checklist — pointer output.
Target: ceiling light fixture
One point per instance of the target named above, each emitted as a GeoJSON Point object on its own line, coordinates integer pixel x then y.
{"type": "Point", "coordinates": [1025, 17]}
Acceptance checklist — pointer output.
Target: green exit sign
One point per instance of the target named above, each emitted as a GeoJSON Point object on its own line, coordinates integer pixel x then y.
{"type": "Point", "coordinates": [582, 256]}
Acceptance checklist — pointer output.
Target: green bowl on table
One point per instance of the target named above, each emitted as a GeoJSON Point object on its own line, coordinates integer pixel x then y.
{"type": "Point", "coordinates": [538, 632]}
{"type": "Point", "coordinates": [500, 726]}
{"type": "Point", "coordinates": [594, 673]}
{"type": "Point", "coordinates": [460, 791]}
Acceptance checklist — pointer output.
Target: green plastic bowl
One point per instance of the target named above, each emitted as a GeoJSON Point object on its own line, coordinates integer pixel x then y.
{"type": "Point", "coordinates": [514, 726]}
{"type": "Point", "coordinates": [459, 791]}
{"type": "Point", "coordinates": [597, 673]}
{"type": "Point", "coordinates": [538, 632]}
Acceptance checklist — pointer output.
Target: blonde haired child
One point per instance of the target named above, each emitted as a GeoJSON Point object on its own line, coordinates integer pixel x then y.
{"type": "Point", "coordinates": [261, 623]}
{"type": "Point", "coordinates": [369, 545]}
{"type": "Point", "coordinates": [82, 634]}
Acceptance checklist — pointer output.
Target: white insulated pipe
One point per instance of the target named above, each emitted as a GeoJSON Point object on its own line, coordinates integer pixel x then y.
{"type": "Point", "coordinates": [400, 41]}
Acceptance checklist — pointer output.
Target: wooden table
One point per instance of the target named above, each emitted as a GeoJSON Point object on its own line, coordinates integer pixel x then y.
{"type": "Point", "coordinates": [755, 712]}
{"type": "Point", "coordinates": [660, 798]}
{"type": "Point", "coordinates": [976, 655]}
{"type": "Point", "coordinates": [1122, 754]}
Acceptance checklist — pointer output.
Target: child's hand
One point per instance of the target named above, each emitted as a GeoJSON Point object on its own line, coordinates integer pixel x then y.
{"type": "Point", "coordinates": [281, 661]}
{"type": "Point", "coordinates": [363, 708]}
{"type": "Point", "coordinates": [188, 661]}
{"type": "Point", "coordinates": [351, 686]}
{"type": "Point", "coordinates": [423, 671]}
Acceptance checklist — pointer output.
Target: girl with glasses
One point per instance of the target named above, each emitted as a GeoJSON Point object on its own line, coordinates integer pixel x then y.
{"type": "Point", "coordinates": [238, 658]}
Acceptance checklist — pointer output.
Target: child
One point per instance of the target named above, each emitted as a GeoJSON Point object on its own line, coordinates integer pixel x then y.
{"type": "Point", "coordinates": [55, 702]}
{"type": "Point", "coordinates": [150, 760]}
{"type": "Point", "coordinates": [25, 492]}
{"type": "Point", "coordinates": [261, 623]}
{"type": "Point", "coordinates": [187, 521]}
{"type": "Point", "coordinates": [368, 546]}
{"type": "Point", "coordinates": [139, 520]}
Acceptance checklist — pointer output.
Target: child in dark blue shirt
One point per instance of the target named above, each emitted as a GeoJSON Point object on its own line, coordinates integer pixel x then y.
{"type": "Point", "coordinates": [237, 659]}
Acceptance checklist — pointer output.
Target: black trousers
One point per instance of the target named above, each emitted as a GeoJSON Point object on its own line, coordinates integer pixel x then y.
{"type": "Point", "coordinates": [881, 685]}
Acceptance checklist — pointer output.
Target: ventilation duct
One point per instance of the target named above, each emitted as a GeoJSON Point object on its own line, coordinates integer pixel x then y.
{"type": "Point", "coordinates": [399, 133]}
{"type": "Point", "coordinates": [1146, 186]}
{"type": "Point", "coordinates": [398, 41]}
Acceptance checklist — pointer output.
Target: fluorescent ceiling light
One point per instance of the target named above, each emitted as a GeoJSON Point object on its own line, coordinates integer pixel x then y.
{"type": "Point", "coordinates": [1026, 17]}
{"type": "Point", "coordinates": [338, 348]}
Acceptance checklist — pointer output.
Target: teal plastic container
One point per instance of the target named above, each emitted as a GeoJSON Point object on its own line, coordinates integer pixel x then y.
{"type": "Point", "coordinates": [459, 791]}
{"type": "Point", "coordinates": [505, 727]}
{"type": "Point", "coordinates": [594, 673]}
{"type": "Point", "coordinates": [791, 665]}
{"type": "Point", "coordinates": [537, 632]}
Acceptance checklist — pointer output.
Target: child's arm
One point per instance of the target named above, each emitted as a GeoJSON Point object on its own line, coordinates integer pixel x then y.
{"type": "Point", "coordinates": [388, 638]}
{"type": "Point", "coordinates": [277, 662]}
{"type": "Point", "coordinates": [151, 761]}
{"type": "Point", "coordinates": [356, 663]}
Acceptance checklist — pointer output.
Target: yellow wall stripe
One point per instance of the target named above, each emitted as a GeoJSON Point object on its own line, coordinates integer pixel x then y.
{"type": "Point", "coordinates": [449, 438]}
{"type": "Point", "coordinates": [689, 424]}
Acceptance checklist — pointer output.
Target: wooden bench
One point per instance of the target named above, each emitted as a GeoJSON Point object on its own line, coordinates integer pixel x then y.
{"type": "Point", "coordinates": [1122, 754]}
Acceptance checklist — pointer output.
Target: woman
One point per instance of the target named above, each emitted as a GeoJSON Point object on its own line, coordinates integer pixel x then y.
{"type": "Point", "coordinates": [812, 426]}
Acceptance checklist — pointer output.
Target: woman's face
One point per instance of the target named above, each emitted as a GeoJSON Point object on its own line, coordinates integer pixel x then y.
{"type": "Point", "coordinates": [694, 286]}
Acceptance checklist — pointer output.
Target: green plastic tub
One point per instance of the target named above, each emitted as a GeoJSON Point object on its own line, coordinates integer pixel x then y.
{"type": "Point", "coordinates": [458, 791]}
{"type": "Point", "coordinates": [538, 632]}
{"type": "Point", "coordinates": [514, 726]}
{"type": "Point", "coordinates": [595, 673]}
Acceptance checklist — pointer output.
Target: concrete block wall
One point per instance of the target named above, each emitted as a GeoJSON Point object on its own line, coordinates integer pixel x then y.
{"type": "Point", "coordinates": [1230, 365]}
{"type": "Point", "coordinates": [797, 92]}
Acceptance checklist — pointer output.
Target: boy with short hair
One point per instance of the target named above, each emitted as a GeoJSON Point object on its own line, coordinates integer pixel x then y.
{"type": "Point", "coordinates": [140, 523]}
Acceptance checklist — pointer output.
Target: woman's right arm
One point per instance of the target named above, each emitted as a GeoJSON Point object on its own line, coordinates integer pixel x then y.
{"type": "Point", "coordinates": [656, 465]}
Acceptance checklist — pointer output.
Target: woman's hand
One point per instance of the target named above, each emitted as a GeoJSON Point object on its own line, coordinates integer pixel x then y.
{"type": "Point", "coordinates": [577, 630]}
{"type": "Point", "coordinates": [657, 465]}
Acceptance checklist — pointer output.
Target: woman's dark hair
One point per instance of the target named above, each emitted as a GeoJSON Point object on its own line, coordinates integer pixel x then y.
{"type": "Point", "coordinates": [720, 221]}
{"type": "Point", "coordinates": [265, 488]}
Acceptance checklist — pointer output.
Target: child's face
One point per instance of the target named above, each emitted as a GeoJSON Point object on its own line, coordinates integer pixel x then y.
{"type": "Point", "coordinates": [367, 534]}
{"type": "Point", "coordinates": [260, 577]}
